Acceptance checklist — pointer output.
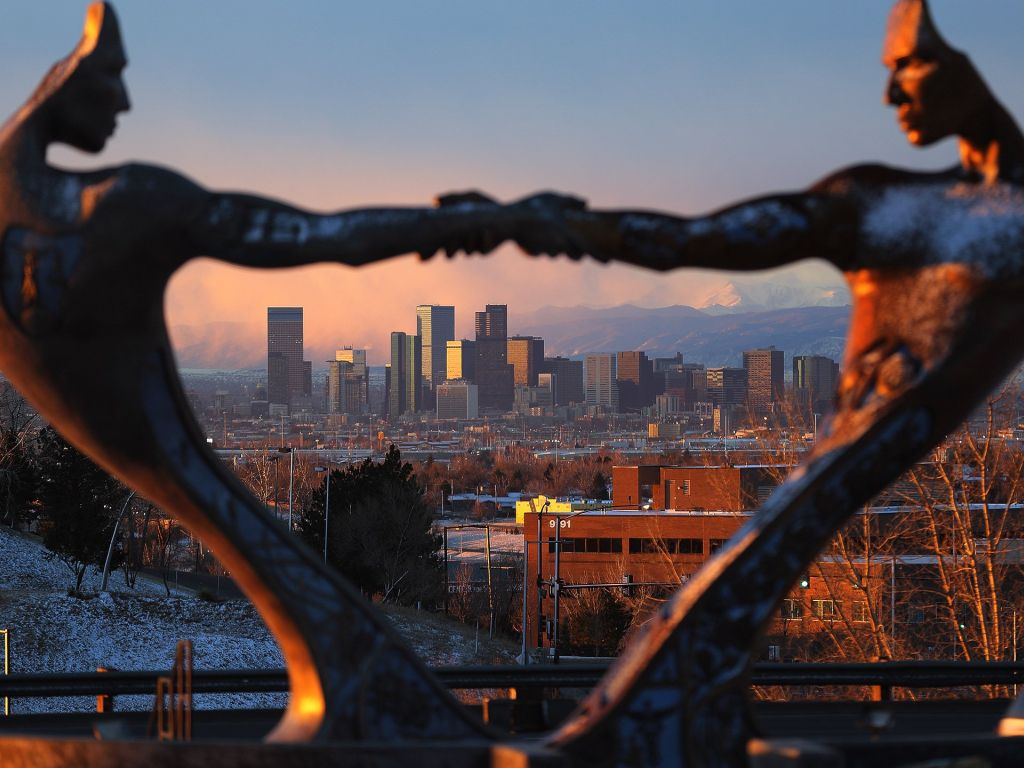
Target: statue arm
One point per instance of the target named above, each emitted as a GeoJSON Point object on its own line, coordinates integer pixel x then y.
{"type": "Point", "coordinates": [822, 222]}
{"type": "Point", "coordinates": [757, 234]}
{"type": "Point", "coordinates": [253, 231]}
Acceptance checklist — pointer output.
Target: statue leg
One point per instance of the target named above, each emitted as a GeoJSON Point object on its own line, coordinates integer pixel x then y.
{"type": "Point", "coordinates": [351, 676]}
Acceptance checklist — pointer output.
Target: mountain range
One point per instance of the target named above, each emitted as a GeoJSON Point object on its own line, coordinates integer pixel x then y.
{"type": "Point", "coordinates": [715, 335]}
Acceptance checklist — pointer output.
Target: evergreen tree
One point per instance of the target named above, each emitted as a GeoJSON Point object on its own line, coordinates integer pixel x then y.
{"type": "Point", "coordinates": [379, 530]}
{"type": "Point", "coordinates": [79, 504]}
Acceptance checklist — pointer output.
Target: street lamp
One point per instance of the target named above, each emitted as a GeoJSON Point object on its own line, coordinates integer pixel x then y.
{"type": "Point", "coordinates": [291, 480]}
{"type": "Point", "coordinates": [327, 502]}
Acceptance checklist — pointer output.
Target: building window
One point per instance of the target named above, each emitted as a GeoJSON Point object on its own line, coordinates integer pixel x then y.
{"type": "Point", "coordinates": [791, 609]}
{"type": "Point", "coordinates": [827, 610]}
{"type": "Point", "coordinates": [774, 653]}
{"type": "Point", "coordinates": [690, 547]}
{"type": "Point", "coordinates": [860, 611]}
{"type": "Point", "coordinates": [666, 546]}
{"type": "Point", "coordinates": [715, 544]}
{"type": "Point", "coordinates": [684, 487]}
{"type": "Point", "coordinates": [576, 545]}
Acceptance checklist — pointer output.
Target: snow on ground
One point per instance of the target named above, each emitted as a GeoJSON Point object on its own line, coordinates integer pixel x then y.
{"type": "Point", "coordinates": [138, 629]}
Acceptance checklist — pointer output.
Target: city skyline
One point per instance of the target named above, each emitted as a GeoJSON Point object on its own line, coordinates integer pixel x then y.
{"type": "Point", "coordinates": [692, 129]}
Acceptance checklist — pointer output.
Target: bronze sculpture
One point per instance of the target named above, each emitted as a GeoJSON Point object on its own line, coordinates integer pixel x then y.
{"type": "Point", "coordinates": [929, 258]}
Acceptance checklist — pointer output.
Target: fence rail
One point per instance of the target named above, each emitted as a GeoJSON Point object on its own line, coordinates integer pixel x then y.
{"type": "Point", "coordinates": [899, 674]}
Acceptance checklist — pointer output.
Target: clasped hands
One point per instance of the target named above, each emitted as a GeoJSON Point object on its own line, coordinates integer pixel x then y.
{"type": "Point", "coordinates": [545, 223]}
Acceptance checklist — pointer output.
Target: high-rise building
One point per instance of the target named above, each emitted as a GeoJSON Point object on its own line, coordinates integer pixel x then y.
{"type": "Point", "coordinates": [766, 378]}
{"type": "Point", "coordinates": [287, 376]}
{"type": "Point", "coordinates": [568, 379]}
{"type": "Point", "coordinates": [435, 326]}
{"type": "Point", "coordinates": [635, 374]}
{"type": "Point", "coordinates": [602, 385]}
{"type": "Point", "coordinates": [461, 360]}
{"type": "Point", "coordinates": [457, 400]}
{"type": "Point", "coordinates": [348, 382]}
{"type": "Point", "coordinates": [815, 379]}
{"type": "Point", "coordinates": [406, 375]}
{"type": "Point", "coordinates": [727, 386]}
{"type": "Point", "coordinates": [525, 355]}
{"type": "Point", "coordinates": [494, 376]}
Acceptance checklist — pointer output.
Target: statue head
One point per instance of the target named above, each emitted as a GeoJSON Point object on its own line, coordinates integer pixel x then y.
{"type": "Point", "coordinates": [81, 95]}
{"type": "Point", "coordinates": [935, 88]}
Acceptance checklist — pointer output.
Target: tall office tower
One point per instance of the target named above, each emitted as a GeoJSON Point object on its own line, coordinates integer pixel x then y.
{"type": "Point", "coordinates": [668, 363]}
{"type": "Point", "coordinates": [525, 355]}
{"type": "Point", "coordinates": [766, 378]}
{"type": "Point", "coordinates": [435, 325]}
{"type": "Point", "coordinates": [727, 386]}
{"type": "Point", "coordinates": [493, 373]}
{"type": "Point", "coordinates": [406, 375]}
{"type": "Point", "coordinates": [568, 379]}
{"type": "Point", "coordinates": [602, 385]}
{"type": "Point", "coordinates": [636, 380]}
{"type": "Point", "coordinates": [461, 360]}
{"type": "Point", "coordinates": [492, 323]}
{"type": "Point", "coordinates": [815, 379]}
{"type": "Point", "coordinates": [286, 374]}
{"type": "Point", "coordinates": [348, 382]}
{"type": "Point", "coordinates": [457, 400]}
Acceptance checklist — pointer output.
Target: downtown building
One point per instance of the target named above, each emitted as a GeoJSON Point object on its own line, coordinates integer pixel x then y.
{"type": "Point", "coordinates": [766, 378]}
{"type": "Point", "coordinates": [457, 400]}
{"type": "Point", "coordinates": [568, 379]}
{"type": "Point", "coordinates": [494, 376]}
{"type": "Point", "coordinates": [289, 377]}
{"type": "Point", "coordinates": [435, 327]}
{"type": "Point", "coordinates": [815, 380]}
{"type": "Point", "coordinates": [601, 382]}
{"type": "Point", "coordinates": [405, 381]}
{"type": "Point", "coordinates": [525, 355]}
{"type": "Point", "coordinates": [635, 373]}
{"type": "Point", "coordinates": [461, 358]}
{"type": "Point", "coordinates": [348, 382]}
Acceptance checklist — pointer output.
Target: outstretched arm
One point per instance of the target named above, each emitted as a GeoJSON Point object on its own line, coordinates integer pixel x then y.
{"type": "Point", "coordinates": [821, 222]}
{"type": "Point", "coordinates": [757, 234]}
{"type": "Point", "coordinates": [253, 231]}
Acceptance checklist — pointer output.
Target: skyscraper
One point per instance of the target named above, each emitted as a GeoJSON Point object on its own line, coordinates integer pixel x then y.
{"type": "Point", "coordinates": [635, 373]}
{"type": "Point", "coordinates": [727, 386]}
{"type": "Point", "coordinates": [461, 360]}
{"type": "Point", "coordinates": [286, 373]}
{"type": "Point", "coordinates": [815, 379]}
{"type": "Point", "coordinates": [602, 385]}
{"type": "Point", "coordinates": [493, 373]}
{"type": "Point", "coordinates": [406, 375]}
{"type": "Point", "coordinates": [525, 355]}
{"type": "Point", "coordinates": [348, 382]}
{"type": "Point", "coordinates": [435, 326]}
{"type": "Point", "coordinates": [766, 378]}
{"type": "Point", "coordinates": [568, 379]}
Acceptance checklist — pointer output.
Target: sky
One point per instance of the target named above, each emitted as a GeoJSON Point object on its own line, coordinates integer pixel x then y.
{"type": "Point", "coordinates": [674, 105]}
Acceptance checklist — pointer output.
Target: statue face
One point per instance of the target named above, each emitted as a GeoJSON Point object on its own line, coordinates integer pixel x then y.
{"type": "Point", "coordinates": [934, 88]}
{"type": "Point", "coordinates": [86, 108]}
{"type": "Point", "coordinates": [921, 90]}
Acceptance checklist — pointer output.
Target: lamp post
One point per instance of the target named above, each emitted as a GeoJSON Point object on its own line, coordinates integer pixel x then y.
{"type": "Point", "coordinates": [291, 479]}
{"type": "Point", "coordinates": [556, 585]}
{"type": "Point", "coordinates": [327, 502]}
{"type": "Point", "coordinates": [113, 537]}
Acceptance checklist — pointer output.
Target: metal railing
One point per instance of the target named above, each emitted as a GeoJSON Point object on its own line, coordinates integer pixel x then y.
{"type": "Point", "coordinates": [895, 674]}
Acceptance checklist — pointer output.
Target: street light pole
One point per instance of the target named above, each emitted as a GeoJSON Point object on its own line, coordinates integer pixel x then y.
{"type": "Point", "coordinates": [113, 537]}
{"type": "Point", "coordinates": [291, 484]}
{"type": "Point", "coordinates": [327, 502]}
